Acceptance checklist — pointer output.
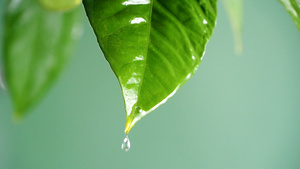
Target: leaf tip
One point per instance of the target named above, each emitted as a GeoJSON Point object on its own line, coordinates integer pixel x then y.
{"type": "Point", "coordinates": [129, 125]}
{"type": "Point", "coordinates": [17, 118]}
{"type": "Point", "coordinates": [238, 48]}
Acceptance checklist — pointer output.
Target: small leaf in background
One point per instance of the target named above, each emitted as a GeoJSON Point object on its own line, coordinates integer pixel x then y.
{"type": "Point", "coordinates": [153, 46]}
{"type": "Point", "coordinates": [293, 7]}
{"type": "Point", "coordinates": [60, 5]}
{"type": "Point", "coordinates": [37, 45]}
{"type": "Point", "coordinates": [234, 9]}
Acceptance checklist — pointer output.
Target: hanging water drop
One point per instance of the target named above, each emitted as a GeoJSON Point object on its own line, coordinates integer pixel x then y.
{"type": "Point", "coordinates": [126, 144]}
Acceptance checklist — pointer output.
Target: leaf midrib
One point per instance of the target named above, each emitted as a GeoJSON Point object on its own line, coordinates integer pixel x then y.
{"type": "Point", "coordinates": [146, 56]}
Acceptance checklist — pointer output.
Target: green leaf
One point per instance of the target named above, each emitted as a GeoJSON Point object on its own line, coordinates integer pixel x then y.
{"type": "Point", "coordinates": [60, 5]}
{"type": "Point", "coordinates": [37, 46]}
{"type": "Point", "coordinates": [153, 46]}
{"type": "Point", "coordinates": [234, 9]}
{"type": "Point", "coordinates": [293, 7]}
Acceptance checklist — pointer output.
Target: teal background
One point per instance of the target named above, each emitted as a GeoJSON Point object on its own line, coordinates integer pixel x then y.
{"type": "Point", "coordinates": [236, 112]}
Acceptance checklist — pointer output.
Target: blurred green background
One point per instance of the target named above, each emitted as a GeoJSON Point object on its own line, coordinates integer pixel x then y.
{"type": "Point", "coordinates": [236, 112]}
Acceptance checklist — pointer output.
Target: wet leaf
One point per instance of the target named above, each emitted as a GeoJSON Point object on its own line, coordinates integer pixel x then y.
{"type": "Point", "coordinates": [37, 45]}
{"type": "Point", "coordinates": [293, 7]}
{"type": "Point", "coordinates": [153, 46]}
{"type": "Point", "coordinates": [234, 9]}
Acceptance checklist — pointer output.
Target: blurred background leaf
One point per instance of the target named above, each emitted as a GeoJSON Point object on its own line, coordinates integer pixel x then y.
{"type": "Point", "coordinates": [60, 5]}
{"type": "Point", "coordinates": [235, 12]}
{"type": "Point", "coordinates": [293, 7]}
{"type": "Point", "coordinates": [37, 45]}
{"type": "Point", "coordinates": [1, 81]}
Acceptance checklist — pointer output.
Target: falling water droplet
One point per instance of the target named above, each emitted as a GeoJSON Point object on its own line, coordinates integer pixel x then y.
{"type": "Point", "coordinates": [126, 144]}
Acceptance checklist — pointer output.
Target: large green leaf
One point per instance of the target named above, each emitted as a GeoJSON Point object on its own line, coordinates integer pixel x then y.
{"type": "Point", "coordinates": [37, 45]}
{"type": "Point", "coordinates": [234, 9]}
{"type": "Point", "coordinates": [293, 7]}
{"type": "Point", "coordinates": [153, 46]}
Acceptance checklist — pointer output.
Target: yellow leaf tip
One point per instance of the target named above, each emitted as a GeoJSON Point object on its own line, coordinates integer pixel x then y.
{"type": "Point", "coordinates": [17, 118]}
{"type": "Point", "coordinates": [129, 125]}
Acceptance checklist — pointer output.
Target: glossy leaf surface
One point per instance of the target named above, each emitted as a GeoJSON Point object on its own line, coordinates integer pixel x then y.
{"type": "Point", "coordinates": [293, 7]}
{"type": "Point", "coordinates": [37, 45]}
{"type": "Point", "coordinates": [153, 46]}
{"type": "Point", "coordinates": [234, 9]}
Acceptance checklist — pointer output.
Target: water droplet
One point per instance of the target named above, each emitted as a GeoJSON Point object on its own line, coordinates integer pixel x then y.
{"type": "Point", "coordinates": [126, 144]}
